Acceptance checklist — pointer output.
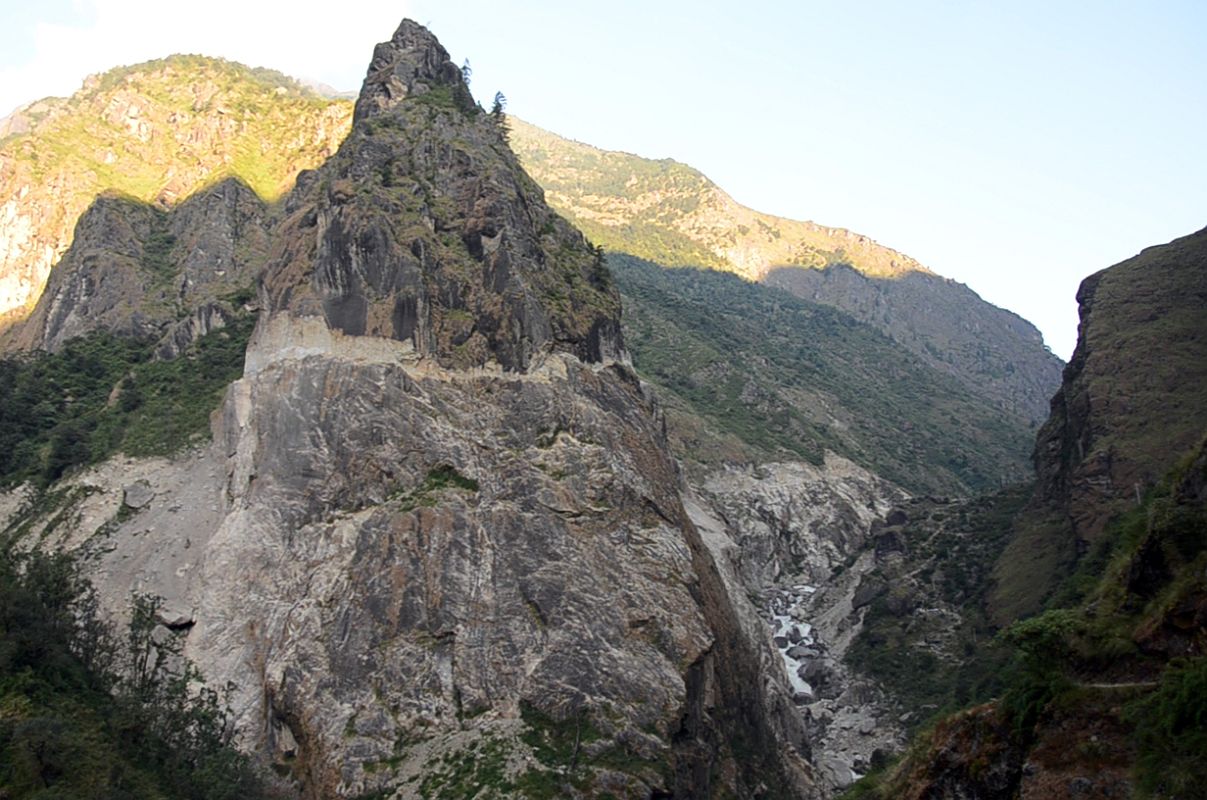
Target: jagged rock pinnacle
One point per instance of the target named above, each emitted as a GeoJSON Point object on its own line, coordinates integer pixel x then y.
{"type": "Point", "coordinates": [424, 228]}
{"type": "Point", "coordinates": [413, 61]}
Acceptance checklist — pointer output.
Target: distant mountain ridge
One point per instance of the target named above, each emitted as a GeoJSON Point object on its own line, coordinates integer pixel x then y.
{"type": "Point", "coordinates": [750, 373]}
{"type": "Point", "coordinates": [673, 215]}
{"type": "Point", "coordinates": [157, 132]}
{"type": "Point", "coordinates": [994, 352]}
{"type": "Point", "coordinates": [146, 132]}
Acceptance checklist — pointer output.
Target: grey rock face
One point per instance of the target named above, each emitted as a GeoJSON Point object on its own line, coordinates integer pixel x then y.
{"type": "Point", "coordinates": [424, 229]}
{"type": "Point", "coordinates": [439, 515]}
{"type": "Point", "coordinates": [801, 541]}
{"type": "Point", "coordinates": [560, 580]}
{"type": "Point", "coordinates": [412, 62]}
{"type": "Point", "coordinates": [378, 550]}
{"type": "Point", "coordinates": [204, 319]}
{"type": "Point", "coordinates": [796, 522]}
{"type": "Point", "coordinates": [98, 283]}
{"type": "Point", "coordinates": [136, 270]}
{"type": "Point", "coordinates": [137, 495]}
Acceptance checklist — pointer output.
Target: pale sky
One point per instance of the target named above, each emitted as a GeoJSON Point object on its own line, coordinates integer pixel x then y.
{"type": "Point", "coordinates": [1014, 146]}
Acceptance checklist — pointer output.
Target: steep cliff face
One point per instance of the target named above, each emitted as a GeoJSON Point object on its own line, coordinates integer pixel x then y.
{"type": "Point", "coordinates": [437, 544]}
{"type": "Point", "coordinates": [1102, 694]}
{"type": "Point", "coordinates": [1132, 392]}
{"type": "Point", "coordinates": [1132, 400]}
{"type": "Point", "coordinates": [157, 132]}
{"type": "Point", "coordinates": [142, 272]}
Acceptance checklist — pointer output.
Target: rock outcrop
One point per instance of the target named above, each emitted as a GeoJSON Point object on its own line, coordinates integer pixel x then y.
{"type": "Point", "coordinates": [423, 228]}
{"type": "Point", "coordinates": [139, 271]}
{"type": "Point", "coordinates": [1122, 410]}
{"type": "Point", "coordinates": [1131, 400]}
{"type": "Point", "coordinates": [157, 132]}
{"type": "Point", "coordinates": [438, 542]}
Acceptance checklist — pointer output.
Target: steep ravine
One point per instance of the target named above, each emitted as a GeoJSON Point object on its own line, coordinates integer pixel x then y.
{"type": "Point", "coordinates": [1101, 588]}
{"type": "Point", "coordinates": [796, 538]}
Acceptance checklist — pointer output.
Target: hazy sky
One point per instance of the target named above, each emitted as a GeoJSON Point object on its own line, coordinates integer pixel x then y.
{"type": "Point", "coordinates": [1014, 146]}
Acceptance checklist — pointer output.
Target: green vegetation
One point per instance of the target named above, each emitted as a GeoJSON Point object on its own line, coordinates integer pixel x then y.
{"type": "Point", "coordinates": [449, 98]}
{"type": "Point", "coordinates": [103, 394]}
{"type": "Point", "coordinates": [568, 751]}
{"type": "Point", "coordinates": [84, 713]}
{"type": "Point", "coordinates": [949, 555]}
{"type": "Point", "coordinates": [785, 378]}
{"type": "Point", "coordinates": [436, 482]}
{"type": "Point", "coordinates": [83, 135]}
{"type": "Point", "coordinates": [157, 249]}
{"type": "Point", "coordinates": [477, 772]}
{"type": "Point", "coordinates": [672, 214]}
{"type": "Point", "coordinates": [1171, 732]}
{"type": "Point", "coordinates": [1120, 633]}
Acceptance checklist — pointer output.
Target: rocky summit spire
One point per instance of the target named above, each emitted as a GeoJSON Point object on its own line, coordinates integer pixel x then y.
{"type": "Point", "coordinates": [425, 229]}
{"type": "Point", "coordinates": [413, 62]}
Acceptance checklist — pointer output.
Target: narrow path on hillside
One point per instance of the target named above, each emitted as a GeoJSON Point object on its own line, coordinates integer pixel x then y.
{"type": "Point", "coordinates": [1122, 685]}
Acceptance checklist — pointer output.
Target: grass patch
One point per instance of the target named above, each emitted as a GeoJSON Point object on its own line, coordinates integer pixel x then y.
{"type": "Point", "coordinates": [478, 771]}
{"type": "Point", "coordinates": [568, 751]}
{"type": "Point", "coordinates": [1171, 732]}
{"type": "Point", "coordinates": [448, 98]}
{"type": "Point", "coordinates": [437, 481]}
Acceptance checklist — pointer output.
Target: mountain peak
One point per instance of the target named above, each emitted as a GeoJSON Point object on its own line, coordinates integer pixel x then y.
{"type": "Point", "coordinates": [412, 62]}
{"type": "Point", "coordinates": [424, 228]}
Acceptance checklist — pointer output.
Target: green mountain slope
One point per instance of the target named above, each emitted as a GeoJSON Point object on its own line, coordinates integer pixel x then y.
{"type": "Point", "coordinates": [671, 214]}
{"type": "Point", "coordinates": [752, 373]}
{"type": "Point", "coordinates": [158, 132]}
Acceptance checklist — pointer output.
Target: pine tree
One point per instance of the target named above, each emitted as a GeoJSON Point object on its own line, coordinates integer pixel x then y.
{"type": "Point", "coordinates": [498, 117]}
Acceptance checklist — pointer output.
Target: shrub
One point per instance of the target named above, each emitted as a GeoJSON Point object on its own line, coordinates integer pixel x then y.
{"type": "Point", "coordinates": [1171, 733]}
